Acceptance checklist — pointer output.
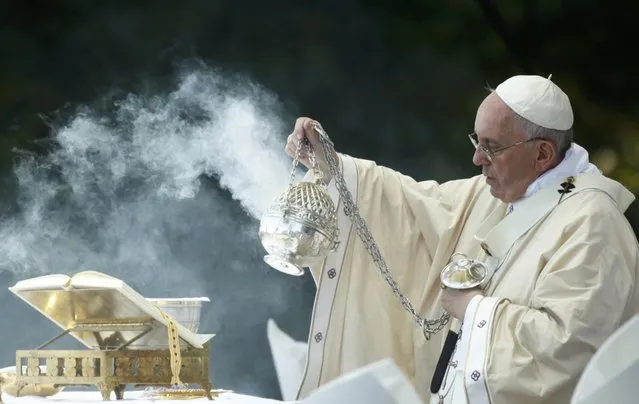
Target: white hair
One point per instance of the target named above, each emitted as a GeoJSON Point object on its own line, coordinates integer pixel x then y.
{"type": "Point", "coordinates": [561, 138]}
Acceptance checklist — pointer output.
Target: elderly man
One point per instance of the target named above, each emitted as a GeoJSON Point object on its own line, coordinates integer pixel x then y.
{"type": "Point", "coordinates": [561, 257]}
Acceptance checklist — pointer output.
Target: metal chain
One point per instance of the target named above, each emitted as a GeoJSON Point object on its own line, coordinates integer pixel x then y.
{"type": "Point", "coordinates": [296, 160]}
{"type": "Point", "coordinates": [428, 327]}
{"type": "Point", "coordinates": [313, 163]}
{"type": "Point", "coordinates": [311, 158]}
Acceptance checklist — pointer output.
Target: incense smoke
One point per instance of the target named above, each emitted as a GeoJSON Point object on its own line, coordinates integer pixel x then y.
{"type": "Point", "coordinates": [163, 192]}
{"type": "Point", "coordinates": [114, 191]}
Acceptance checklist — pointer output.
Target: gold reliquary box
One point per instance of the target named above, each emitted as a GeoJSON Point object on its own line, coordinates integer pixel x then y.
{"type": "Point", "coordinates": [129, 340]}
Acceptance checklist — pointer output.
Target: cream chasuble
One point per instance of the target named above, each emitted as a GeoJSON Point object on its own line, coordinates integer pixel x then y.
{"type": "Point", "coordinates": [563, 281]}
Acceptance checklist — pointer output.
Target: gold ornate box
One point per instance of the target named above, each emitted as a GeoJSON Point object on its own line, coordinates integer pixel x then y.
{"type": "Point", "coordinates": [129, 340]}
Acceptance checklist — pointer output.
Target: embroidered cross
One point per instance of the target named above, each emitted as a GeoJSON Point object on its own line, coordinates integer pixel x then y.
{"type": "Point", "coordinates": [566, 187]}
{"type": "Point", "coordinates": [331, 273]}
{"type": "Point", "coordinates": [318, 337]}
{"type": "Point", "coordinates": [481, 324]}
{"type": "Point", "coordinates": [475, 375]}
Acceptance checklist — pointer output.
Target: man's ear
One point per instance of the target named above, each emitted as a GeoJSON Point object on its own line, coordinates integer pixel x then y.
{"type": "Point", "coordinates": [546, 155]}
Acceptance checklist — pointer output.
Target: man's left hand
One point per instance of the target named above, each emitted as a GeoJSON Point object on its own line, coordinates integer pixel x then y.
{"type": "Point", "coordinates": [456, 301]}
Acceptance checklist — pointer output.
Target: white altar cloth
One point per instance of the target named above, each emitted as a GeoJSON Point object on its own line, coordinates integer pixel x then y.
{"type": "Point", "coordinates": [137, 397]}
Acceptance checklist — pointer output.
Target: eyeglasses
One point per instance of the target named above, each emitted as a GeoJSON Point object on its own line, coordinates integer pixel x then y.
{"type": "Point", "coordinates": [474, 139]}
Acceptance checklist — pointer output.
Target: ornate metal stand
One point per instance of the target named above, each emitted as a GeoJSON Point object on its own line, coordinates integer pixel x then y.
{"type": "Point", "coordinates": [130, 340]}
{"type": "Point", "coordinates": [111, 369]}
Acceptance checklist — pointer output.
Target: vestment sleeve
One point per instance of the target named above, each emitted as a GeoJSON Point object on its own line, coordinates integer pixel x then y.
{"type": "Point", "coordinates": [404, 216]}
{"type": "Point", "coordinates": [525, 353]}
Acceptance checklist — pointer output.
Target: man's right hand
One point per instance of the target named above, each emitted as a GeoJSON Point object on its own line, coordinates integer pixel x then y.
{"type": "Point", "coordinates": [305, 127]}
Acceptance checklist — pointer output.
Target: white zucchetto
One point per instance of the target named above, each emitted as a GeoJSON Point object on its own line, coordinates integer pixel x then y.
{"type": "Point", "coordinates": [537, 99]}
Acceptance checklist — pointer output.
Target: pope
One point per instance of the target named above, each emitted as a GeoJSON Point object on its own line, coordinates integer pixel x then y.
{"type": "Point", "coordinates": [562, 261]}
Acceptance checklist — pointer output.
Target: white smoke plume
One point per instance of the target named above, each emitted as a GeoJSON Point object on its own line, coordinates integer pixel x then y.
{"type": "Point", "coordinates": [120, 191]}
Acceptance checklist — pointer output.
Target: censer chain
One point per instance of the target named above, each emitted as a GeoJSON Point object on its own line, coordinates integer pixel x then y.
{"type": "Point", "coordinates": [428, 327]}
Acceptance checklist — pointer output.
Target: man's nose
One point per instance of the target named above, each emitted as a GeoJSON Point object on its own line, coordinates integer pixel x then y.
{"type": "Point", "coordinates": [479, 158]}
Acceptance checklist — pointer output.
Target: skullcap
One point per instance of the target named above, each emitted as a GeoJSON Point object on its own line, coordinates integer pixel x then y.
{"type": "Point", "coordinates": [537, 99]}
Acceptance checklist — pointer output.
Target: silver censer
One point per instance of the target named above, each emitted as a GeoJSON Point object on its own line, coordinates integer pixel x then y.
{"type": "Point", "coordinates": [300, 227]}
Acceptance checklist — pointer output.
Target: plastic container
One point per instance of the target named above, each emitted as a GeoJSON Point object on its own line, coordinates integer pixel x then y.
{"type": "Point", "coordinates": [184, 310]}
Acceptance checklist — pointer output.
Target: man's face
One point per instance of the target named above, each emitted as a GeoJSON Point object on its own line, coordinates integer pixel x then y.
{"type": "Point", "coordinates": [511, 171]}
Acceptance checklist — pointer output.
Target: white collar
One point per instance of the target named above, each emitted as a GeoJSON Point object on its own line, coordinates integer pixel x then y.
{"type": "Point", "coordinates": [575, 162]}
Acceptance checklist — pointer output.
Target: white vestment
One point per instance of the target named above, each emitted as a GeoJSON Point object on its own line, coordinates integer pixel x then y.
{"type": "Point", "coordinates": [562, 283]}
